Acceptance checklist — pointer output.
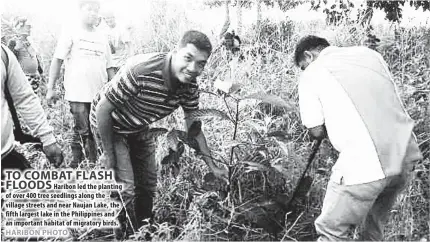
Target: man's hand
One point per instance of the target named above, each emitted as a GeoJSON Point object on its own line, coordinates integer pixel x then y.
{"type": "Point", "coordinates": [318, 132]}
{"type": "Point", "coordinates": [51, 96]}
{"type": "Point", "coordinates": [54, 154]}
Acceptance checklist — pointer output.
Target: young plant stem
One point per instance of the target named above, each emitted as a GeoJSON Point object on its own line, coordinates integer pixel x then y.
{"type": "Point", "coordinates": [235, 131]}
{"type": "Point", "coordinates": [228, 107]}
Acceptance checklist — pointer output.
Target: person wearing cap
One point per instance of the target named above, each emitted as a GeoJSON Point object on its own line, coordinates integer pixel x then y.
{"type": "Point", "coordinates": [88, 66]}
{"type": "Point", "coordinates": [348, 95]}
{"type": "Point", "coordinates": [25, 52]}
{"type": "Point", "coordinates": [119, 40]}
{"type": "Point", "coordinates": [148, 88]}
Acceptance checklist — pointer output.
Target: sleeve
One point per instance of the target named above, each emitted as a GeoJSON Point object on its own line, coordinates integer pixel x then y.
{"type": "Point", "coordinates": [64, 45]}
{"type": "Point", "coordinates": [26, 102]}
{"type": "Point", "coordinates": [311, 111]}
{"type": "Point", "coordinates": [122, 87]}
{"type": "Point", "coordinates": [191, 99]}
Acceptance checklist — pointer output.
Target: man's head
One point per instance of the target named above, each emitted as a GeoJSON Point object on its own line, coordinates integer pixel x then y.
{"type": "Point", "coordinates": [191, 56]}
{"type": "Point", "coordinates": [89, 11]}
{"type": "Point", "coordinates": [21, 26]}
{"type": "Point", "coordinates": [232, 41]}
{"type": "Point", "coordinates": [109, 18]}
{"type": "Point", "coordinates": [308, 49]}
{"type": "Point", "coordinates": [228, 40]}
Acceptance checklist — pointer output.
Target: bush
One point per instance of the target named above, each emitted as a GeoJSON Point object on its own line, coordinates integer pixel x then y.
{"type": "Point", "coordinates": [271, 144]}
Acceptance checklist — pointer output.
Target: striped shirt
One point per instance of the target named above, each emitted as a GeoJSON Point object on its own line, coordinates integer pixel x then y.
{"type": "Point", "coordinates": [144, 91]}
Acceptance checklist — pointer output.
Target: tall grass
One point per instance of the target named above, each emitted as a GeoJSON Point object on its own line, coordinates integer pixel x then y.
{"type": "Point", "coordinates": [185, 207]}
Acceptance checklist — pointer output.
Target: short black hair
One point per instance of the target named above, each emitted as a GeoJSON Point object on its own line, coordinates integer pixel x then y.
{"type": "Point", "coordinates": [198, 39]}
{"type": "Point", "coordinates": [228, 35]}
{"type": "Point", "coordinates": [308, 43]}
{"type": "Point", "coordinates": [82, 3]}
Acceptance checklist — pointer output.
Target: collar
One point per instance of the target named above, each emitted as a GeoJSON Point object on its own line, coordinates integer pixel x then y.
{"type": "Point", "coordinates": [170, 82]}
{"type": "Point", "coordinates": [327, 50]}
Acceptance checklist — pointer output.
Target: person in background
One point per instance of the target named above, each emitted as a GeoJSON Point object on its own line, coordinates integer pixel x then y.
{"type": "Point", "coordinates": [119, 40]}
{"type": "Point", "coordinates": [27, 104]}
{"type": "Point", "coordinates": [348, 95]}
{"type": "Point", "coordinates": [24, 50]}
{"type": "Point", "coordinates": [148, 88]}
{"type": "Point", "coordinates": [88, 66]}
{"type": "Point", "coordinates": [232, 42]}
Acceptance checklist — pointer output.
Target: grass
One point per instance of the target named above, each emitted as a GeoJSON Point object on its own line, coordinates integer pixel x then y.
{"type": "Point", "coordinates": [187, 207]}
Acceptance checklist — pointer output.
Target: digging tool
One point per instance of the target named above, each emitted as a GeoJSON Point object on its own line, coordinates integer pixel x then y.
{"type": "Point", "coordinates": [304, 182]}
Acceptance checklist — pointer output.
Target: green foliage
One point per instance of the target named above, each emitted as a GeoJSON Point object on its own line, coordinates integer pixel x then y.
{"type": "Point", "coordinates": [270, 99]}
{"type": "Point", "coordinates": [393, 9]}
{"type": "Point", "coordinates": [339, 10]}
{"type": "Point", "coordinates": [284, 5]}
{"type": "Point", "coordinates": [265, 147]}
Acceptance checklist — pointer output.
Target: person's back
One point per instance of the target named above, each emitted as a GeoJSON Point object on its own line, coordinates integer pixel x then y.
{"type": "Point", "coordinates": [361, 110]}
{"type": "Point", "coordinates": [349, 92]}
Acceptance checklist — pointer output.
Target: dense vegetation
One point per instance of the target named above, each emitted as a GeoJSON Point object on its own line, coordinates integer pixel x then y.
{"type": "Point", "coordinates": [255, 130]}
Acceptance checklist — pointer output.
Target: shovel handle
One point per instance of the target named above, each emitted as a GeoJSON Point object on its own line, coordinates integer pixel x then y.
{"type": "Point", "coordinates": [315, 146]}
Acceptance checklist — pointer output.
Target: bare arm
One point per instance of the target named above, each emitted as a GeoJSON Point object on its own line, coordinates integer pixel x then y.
{"type": "Point", "coordinates": [110, 73]}
{"type": "Point", "coordinates": [129, 49]}
{"type": "Point", "coordinates": [105, 127]}
{"type": "Point", "coordinates": [204, 149]}
{"type": "Point", "coordinates": [201, 140]}
{"type": "Point", "coordinates": [54, 72]}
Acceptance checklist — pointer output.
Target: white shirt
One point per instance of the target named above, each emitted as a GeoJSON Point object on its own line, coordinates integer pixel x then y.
{"type": "Point", "coordinates": [87, 57]}
{"type": "Point", "coordinates": [118, 37]}
{"type": "Point", "coordinates": [323, 101]}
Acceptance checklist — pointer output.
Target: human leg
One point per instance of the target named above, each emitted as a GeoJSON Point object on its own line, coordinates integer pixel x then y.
{"type": "Point", "coordinates": [82, 135]}
{"type": "Point", "coordinates": [142, 149]}
{"type": "Point", "coordinates": [345, 207]}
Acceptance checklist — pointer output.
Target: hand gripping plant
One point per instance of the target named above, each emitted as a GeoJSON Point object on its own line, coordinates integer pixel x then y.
{"type": "Point", "coordinates": [256, 193]}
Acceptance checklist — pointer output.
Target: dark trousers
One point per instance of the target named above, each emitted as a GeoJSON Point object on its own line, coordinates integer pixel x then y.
{"type": "Point", "coordinates": [83, 144]}
{"type": "Point", "coordinates": [136, 169]}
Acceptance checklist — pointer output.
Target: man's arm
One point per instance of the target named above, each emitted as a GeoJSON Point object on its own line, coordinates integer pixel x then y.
{"type": "Point", "coordinates": [54, 74]}
{"type": "Point", "coordinates": [109, 62]}
{"type": "Point", "coordinates": [28, 106]}
{"type": "Point", "coordinates": [126, 38]}
{"type": "Point", "coordinates": [110, 73]}
{"type": "Point", "coordinates": [204, 149]}
{"type": "Point", "coordinates": [104, 110]}
{"type": "Point", "coordinates": [129, 49]}
{"type": "Point", "coordinates": [64, 46]}
{"type": "Point", "coordinates": [311, 111]}
{"type": "Point", "coordinates": [318, 132]}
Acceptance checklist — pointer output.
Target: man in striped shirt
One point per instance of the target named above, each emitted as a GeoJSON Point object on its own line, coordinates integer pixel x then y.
{"type": "Point", "coordinates": [148, 88]}
{"type": "Point", "coordinates": [349, 93]}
